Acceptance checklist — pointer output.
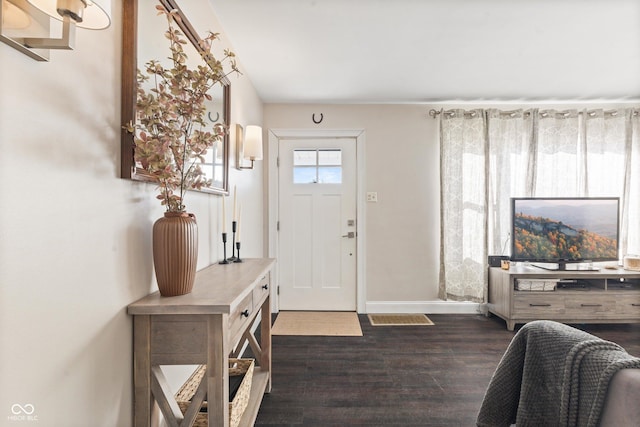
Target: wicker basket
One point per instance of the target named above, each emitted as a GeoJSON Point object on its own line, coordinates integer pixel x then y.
{"type": "Point", "coordinates": [236, 406]}
{"type": "Point", "coordinates": [544, 285]}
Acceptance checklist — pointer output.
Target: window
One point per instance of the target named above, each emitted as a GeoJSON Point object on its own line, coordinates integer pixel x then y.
{"type": "Point", "coordinates": [489, 156]}
{"type": "Point", "coordinates": [317, 166]}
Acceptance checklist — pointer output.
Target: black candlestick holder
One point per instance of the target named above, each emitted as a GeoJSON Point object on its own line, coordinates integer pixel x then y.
{"type": "Point", "coordinates": [234, 225]}
{"type": "Point", "coordinates": [224, 249]}
{"type": "Point", "coordinates": [238, 259]}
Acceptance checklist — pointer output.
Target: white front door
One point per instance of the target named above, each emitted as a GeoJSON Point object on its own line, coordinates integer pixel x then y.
{"type": "Point", "coordinates": [317, 237]}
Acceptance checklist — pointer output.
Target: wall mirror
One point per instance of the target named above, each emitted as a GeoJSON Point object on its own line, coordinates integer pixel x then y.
{"type": "Point", "coordinates": [143, 39]}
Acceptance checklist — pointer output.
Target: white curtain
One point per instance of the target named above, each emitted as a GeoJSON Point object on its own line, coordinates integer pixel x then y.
{"type": "Point", "coordinates": [631, 207]}
{"type": "Point", "coordinates": [489, 156]}
{"type": "Point", "coordinates": [463, 153]}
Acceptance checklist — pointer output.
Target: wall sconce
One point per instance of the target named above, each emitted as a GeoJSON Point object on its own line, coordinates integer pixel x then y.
{"type": "Point", "coordinates": [25, 24]}
{"type": "Point", "coordinates": [248, 145]}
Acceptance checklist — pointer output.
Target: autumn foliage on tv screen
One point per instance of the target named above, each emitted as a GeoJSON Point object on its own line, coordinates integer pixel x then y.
{"type": "Point", "coordinates": [546, 239]}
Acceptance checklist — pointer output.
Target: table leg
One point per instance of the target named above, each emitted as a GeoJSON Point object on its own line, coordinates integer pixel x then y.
{"type": "Point", "coordinates": [265, 340]}
{"type": "Point", "coordinates": [218, 370]}
{"type": "Point", "coordinates": [142, 401]}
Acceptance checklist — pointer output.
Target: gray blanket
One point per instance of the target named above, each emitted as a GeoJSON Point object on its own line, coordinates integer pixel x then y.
{"type": "Point", "coordinates": [552, 375]}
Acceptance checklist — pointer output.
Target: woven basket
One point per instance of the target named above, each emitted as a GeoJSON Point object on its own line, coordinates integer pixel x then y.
{"type": "Point", "coordinates": [236, 406]}
{"type": "Point", "coordinates": [536, 285]}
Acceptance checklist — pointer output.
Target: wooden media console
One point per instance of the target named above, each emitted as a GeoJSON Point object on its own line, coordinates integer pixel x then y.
{"type": "Point", "coordinates": [526, 293]}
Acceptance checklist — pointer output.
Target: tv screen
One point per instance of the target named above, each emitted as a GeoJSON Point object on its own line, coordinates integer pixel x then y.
{"type": "Point", "coordinates": [564, 230]}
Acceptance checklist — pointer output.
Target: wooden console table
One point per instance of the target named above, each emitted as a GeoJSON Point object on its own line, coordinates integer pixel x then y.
{"type": "Point", "coordinates": [604, 296]}
{"type": "Point", "coordinates": [203, 327]}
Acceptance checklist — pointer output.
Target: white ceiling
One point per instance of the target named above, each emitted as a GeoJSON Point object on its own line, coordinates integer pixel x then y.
{"type": "Point", "coordinates": [406, 51]}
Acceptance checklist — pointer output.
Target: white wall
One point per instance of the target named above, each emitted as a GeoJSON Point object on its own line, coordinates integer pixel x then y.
{"type": "Point", "coordinates": [75, 242]}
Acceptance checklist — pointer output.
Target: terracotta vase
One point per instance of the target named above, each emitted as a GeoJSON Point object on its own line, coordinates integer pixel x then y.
{"type": "Point", "coordinates": [175, 252]}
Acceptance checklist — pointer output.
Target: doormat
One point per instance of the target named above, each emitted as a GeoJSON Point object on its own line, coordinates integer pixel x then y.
{"type": "Point", "coordinates": [399, 320]}
{"type": "Point", "coordinates": [317, 323]}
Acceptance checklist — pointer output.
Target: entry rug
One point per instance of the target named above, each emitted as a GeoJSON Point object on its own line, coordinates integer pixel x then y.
{"type": "Point", "coordinates": [319, 323]}
{"type": "Point", "coordinates": [399, 320]}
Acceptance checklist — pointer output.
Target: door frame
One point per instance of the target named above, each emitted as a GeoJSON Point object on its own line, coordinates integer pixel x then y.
{"type": "Point", "coordinates": [275, 135]}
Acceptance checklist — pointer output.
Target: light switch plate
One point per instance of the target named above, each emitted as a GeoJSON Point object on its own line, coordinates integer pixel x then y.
{"type": "Point", "coordinates": [372, 196]}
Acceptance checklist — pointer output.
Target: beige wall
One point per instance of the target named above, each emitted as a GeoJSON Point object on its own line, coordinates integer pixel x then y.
{"type": "Point", "coordinates": [75, 242]}
{"type": "Point", "coordinates": [401, 162]}
{"type": "Point", "coordinates": [402, 166]}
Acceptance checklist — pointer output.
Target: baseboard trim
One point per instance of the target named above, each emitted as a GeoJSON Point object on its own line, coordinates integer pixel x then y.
{"type": "Point", "coordinates": [426, 307]}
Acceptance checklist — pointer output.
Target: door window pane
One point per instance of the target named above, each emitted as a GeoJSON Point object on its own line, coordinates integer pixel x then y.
{"type": "Point", "coordinates": [304, 175]}
{"type": "Point", "coordinates": [317, 166]}
{"type": "Point", "coordinates": [305, 157]}
{"type": "Point", "coordinates": [330, 175]}
{"type": "Point", "coordinates": [330, 157]}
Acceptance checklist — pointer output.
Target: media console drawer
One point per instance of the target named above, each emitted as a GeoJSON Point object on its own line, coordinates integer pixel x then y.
{"type": "Point", "coordinates": [527, 304]}
{"type": "Point", "coordinates": [601, 306]}
{"type": "Point", "coordinates": [566, 306]}
{"type": "Point", "coordinates": [628, 305]}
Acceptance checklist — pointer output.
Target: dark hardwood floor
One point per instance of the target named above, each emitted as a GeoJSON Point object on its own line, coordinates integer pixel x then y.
{"type": "Point", "coordinates": [404, 376]}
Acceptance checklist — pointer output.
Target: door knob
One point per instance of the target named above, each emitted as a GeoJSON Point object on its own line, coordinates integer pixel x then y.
{"type": "Point", "coordinates": [350, 235]}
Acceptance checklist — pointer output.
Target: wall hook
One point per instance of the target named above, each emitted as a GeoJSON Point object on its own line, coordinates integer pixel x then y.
{"type": "Point", "coordinates": [313, 117]}
{"type": "Point", "coordinates": [217, 116]}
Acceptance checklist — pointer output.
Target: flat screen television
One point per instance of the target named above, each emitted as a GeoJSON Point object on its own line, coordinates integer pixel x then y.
{"type": "Point", "coordinates": [564, 230]}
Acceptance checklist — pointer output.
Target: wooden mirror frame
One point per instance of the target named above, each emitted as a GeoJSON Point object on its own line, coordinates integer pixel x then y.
{"type": "Point", "coordinates": [128, 169]}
